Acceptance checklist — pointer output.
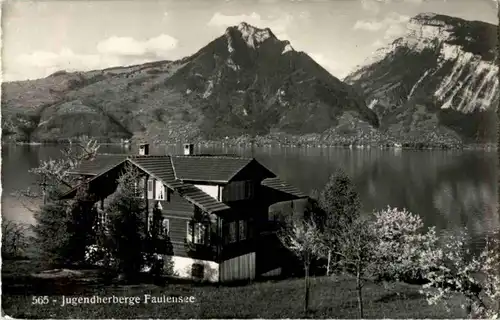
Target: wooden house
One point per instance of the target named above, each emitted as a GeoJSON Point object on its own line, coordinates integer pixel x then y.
{"type": "Point", "coordinates": [236, 242]}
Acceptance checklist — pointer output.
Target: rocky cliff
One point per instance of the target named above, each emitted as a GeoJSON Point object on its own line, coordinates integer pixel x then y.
{"type": "Point", "coordinates": [440, 77]}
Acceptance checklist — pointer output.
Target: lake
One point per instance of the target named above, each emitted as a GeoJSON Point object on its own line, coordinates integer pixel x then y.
{"type": "Point", "coordinates": [448, 189]}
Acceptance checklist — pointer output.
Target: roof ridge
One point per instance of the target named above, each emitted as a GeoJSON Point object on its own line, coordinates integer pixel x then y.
{"type": "Point", "coordinates": [149, 156]}
{"type": "Point", "coordinates": [173, 168]}
{"type": "Point", "coordinates": [212, 156]}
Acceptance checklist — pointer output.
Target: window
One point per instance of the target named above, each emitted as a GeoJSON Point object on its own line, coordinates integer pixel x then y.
{"type": "Point", "coordinates": [150, 221]}
{"type": "Point", "coordinates": [150, 189]}
{"type": "Point", "coordinates": [197, 270]}
{"type": "Point", "coordinates": [249, 190]}
{"type": "Point", "coordinates": [197, 233]}
{"type": "Point", "coordinates": [239, 190]}
{"type": "Point", "coordinates": [160, 190]}
{"type": "Point", "coordinates": [242, 229]}
{"type": "Point", "coordinates": [139, 187]}
{"type": "Point", "coordinates": [232, 232]}
{"type": "Point", "coordinates": [200, 233]}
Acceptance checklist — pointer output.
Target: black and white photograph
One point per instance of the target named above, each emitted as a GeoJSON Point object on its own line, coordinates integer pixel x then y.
{"type": "Point", "coordinates": [250, 159]}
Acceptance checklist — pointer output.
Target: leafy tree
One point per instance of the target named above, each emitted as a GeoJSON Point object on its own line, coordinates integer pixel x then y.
{"type": "Point", "coordinates": [126, 225]}
{"type": "Point", "coordinates": [81, 226]}
{"type": "Point", "coordinates": [339, 205]}
{"type": "Point", "coordinates": [303, 239]}
{"type": "Point", "coordinates": [454, 269]}
{"type": "Point", "coordinates": [400, 244]}
{"type": "Point", "coordinates": [51, 232]}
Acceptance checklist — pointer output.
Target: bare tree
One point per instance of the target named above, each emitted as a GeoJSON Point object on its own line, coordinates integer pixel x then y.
{"type": "Point", "coordinates": [53, 174]}
{"type": "Point", "coordinates": [303, 239]}
{"type": "Point", "coordinates": [356, 247]}
{"type": "Point", "coordinates": [14, 238]}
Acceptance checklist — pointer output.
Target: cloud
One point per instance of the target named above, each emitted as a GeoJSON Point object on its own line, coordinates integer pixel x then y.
{"type": "Point", "coordinates": [278, 25]}
{"type": "Point", "coordinates": [222, 20]}
{"type": "Point", "coordinates": [40, 64]}
{"type": "Point", "coordinates": [329, 64]}
{"type": "Point", "coordinates": [368, 25]}
{"type": "Point", "coordinates": [394, 31]}
{"type": "Point", "coordinates": [127, 46]}
{"type": "Point", "coordinates": [113, 51]}
{"type": "Point", "coordinates": [305, 15]}
{"type": "Point", "coordinates": [377, 43]}
{"type": "Point", "coordinates": [374, 6]}
{"type": "Point", "coordinates": [394, 24]}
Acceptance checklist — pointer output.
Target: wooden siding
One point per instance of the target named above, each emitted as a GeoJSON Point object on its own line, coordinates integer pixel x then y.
{"type": "Point", "coordinates": [177, 206]}
{"type": "Point", "coordinates": [239, 268]}
{"type": "Point", "coordinates": [177, 233]}
{"type": "Point", "coordinates": [211, 190]}
{"type": "Point", "coordinates": [271, 255]}
{"type": "Point", "coordinates": [253, 171]}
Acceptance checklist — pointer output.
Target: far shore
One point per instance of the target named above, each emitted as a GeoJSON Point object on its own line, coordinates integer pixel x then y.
{"type": "Point", "coordinates": [244, 143]}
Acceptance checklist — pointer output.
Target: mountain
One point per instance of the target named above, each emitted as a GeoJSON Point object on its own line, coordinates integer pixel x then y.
{"type": "Point", "coordinates": [440, 78]}
{"type": "Point", "coordinates": [245, 82]}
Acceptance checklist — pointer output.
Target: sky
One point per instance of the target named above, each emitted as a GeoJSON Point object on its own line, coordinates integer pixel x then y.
{"type": "Point", "coordinates": [42, 37]}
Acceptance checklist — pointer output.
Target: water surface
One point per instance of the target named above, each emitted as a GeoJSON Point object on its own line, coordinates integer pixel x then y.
{"type": "Point", "coordinates": [448, 189]}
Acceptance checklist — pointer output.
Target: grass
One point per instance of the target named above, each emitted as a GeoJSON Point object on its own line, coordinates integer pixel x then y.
{"type": "Point", "coordinates": [332, 297]}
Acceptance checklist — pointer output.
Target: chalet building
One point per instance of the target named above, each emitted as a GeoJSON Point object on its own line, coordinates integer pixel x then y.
{"type": "Point", "coordinates": [236, 241]}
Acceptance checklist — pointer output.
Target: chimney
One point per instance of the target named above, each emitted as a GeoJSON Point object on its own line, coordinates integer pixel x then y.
{"type": "Point", "coordinates": [188, 149]}
{"type": "Point", "coordinates": [144, 149]}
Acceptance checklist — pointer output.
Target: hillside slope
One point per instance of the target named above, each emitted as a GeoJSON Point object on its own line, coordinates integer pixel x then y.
{"type": "Point", "coordinates": [246, 82]}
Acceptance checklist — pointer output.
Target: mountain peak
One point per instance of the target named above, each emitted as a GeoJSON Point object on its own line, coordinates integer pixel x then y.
{"type": "Point", "coordinates": [254, 36]}
{"type": "Point", "coordinates": [425, 16]}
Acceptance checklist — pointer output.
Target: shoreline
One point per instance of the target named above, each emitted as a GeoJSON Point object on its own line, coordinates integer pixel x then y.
{"type": "Point", "coordinates": [294, 142]}
{"type": "Point", "coordinates": [465, 147]}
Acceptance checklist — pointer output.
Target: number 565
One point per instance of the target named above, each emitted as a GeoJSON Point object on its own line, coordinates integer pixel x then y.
{"type": "Point", "coordinates": [39, 300]}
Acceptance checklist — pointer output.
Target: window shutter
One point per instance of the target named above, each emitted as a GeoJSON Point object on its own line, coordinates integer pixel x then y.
{"type": "Point", "coordinates": [225, 232]}
{"type": "Point", "coordinates": [232, 231]}
{"type": "Point", "coordinates": [189, 231]}
{"type": "Point", "coordinates": [150, 189]}
{"type": "Point", "coordinates": [242, 229]}
{"type": "Point", "coordinates": [142, 180]}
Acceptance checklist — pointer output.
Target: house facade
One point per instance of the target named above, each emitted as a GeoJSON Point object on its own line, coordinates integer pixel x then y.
{"type": "Point", "coordinates": [214, 209]}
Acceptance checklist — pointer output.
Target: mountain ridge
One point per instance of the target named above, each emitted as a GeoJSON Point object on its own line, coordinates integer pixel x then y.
{"type": "Point", "coordinates": [248, 84]}
{"type": "Point", "coordinates": [442, 71]}
{"type": "Point", "coordinates": [245, 82]}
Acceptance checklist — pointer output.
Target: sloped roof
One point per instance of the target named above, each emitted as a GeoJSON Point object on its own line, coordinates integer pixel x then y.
{"type": "Point", "coordinates": [177, 171]}
{"type": "Point", "coordinates": [160, 166]}
{"type": "Point", "coordinates": [280, 185]}
{"type": "Point", "coordinates": [201, 199]}
{"type": "Point", "coordinates": [208, 168]}
{"type": "Point", "coordinates": [101, 163]}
